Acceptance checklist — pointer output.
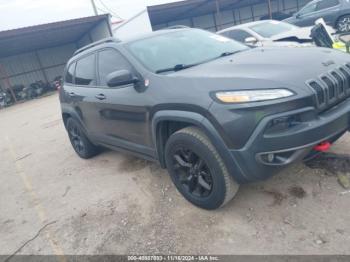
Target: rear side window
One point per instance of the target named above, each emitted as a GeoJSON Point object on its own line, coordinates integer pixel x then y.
{"type": "Point", "coordinates": [70, 74]}
{"type": "Point", "coordinates": [85, 71]}
{"type": "Point", "coordinates": [238, 35]}
{"type": "Point", "coordinates": [109, 61]}
{"type": "Point", "coordinates": [309, 8]}
{"type": "Point", "coordinates": [324, 4]}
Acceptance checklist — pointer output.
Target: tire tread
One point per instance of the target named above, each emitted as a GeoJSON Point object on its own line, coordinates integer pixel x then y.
{"type": "Point", "coordinates": [231, 187]}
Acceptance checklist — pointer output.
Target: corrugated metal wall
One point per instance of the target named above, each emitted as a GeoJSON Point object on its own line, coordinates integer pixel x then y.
{"type": "Point", "coordinates": [45, 65]}
{"type": "Point", "coordinates": [237, 15]}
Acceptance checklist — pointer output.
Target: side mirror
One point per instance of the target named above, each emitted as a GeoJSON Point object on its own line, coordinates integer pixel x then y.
{"type": "Point", "coordinates": [251, 40]}
{"type": "Point", "coordinates": [121, 77]}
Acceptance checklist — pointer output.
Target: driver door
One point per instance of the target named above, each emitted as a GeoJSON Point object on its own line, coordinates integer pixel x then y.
{"type": "Point", "coordinates": [123, 109]}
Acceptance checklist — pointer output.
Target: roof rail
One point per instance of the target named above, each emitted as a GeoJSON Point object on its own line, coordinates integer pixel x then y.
{"type": "Point", "coordinates": [100, 42]}
{"type": "Point", "coordinates": [176, 27]}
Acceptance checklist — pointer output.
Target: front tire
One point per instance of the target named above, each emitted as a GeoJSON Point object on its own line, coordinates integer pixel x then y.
{"type": "Point", "coordinates": [197, 169]}
{"type": "Point", "coordinates": [343, 24]}
{"type": "Point", "coordinates": [81, 144]}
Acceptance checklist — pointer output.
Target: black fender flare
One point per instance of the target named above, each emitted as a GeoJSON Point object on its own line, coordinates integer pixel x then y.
{"type": "Point", "coordinates": [74, 114]}
{"type": "Point", "coordinates": [204, 124]}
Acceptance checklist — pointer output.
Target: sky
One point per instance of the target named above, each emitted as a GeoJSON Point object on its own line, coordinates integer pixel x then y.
{"type": "Point", "coordinates": [22, 13]}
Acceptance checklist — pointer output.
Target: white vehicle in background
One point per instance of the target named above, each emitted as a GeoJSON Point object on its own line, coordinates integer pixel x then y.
{"type": "Point", "coordinates": [269, 33]}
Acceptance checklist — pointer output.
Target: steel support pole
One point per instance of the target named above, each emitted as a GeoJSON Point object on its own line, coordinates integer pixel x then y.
{"type": "Point", "coordinates": [218, 15]}
{"type": "Point", "coordinates": [270, 8]}
{"type": "Point", "coordinates": [94, 7]}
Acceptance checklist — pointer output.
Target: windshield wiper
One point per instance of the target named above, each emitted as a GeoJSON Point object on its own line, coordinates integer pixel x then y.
{"type": "Point", "coordinates": [175, 68]}
{"type": "Point", "coordinates": [229, 53]}
{"type": "Point", "coordinates": [183, 66]}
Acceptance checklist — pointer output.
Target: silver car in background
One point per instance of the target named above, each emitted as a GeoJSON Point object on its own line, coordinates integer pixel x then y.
{"type": "Point", "coordinates": [269, 33]}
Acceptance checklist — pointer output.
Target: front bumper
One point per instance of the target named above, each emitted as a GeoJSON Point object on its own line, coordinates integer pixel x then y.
{"type": "Point", "coordinates": [266, 153]}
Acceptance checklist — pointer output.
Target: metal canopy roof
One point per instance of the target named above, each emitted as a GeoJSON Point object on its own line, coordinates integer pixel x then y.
{"type": "Point", "coordinates": [31, 38]}
{"type": "Point", "coordinates": [160, 14]}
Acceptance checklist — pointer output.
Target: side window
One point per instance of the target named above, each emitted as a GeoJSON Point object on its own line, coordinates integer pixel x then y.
{"type": "Point", "coordinates": [324, 4]}
{"type": "Point", "coordinates": [308, 9]}
{"type": "Point", "coordinates": [70, 73]}
{"type": "Point", "coordinates": [109, 61]}
{"type": "Point", "coordinates": [239, 35]}
{"type": "Point", "coordinates": [85, 71]}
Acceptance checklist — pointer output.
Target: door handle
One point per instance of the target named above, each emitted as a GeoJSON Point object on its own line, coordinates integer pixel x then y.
{"type": "Point", "coordinates": [101, 96]}
{"type": "Point", "coordinates": [71, 94]}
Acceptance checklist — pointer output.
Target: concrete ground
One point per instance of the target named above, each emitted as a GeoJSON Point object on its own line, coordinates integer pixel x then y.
{"type": "Point", "coordinates": [53, 202]}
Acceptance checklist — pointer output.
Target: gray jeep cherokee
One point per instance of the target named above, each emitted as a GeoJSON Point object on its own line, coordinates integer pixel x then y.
{"type": "Point", "coordinates": [212, 111]}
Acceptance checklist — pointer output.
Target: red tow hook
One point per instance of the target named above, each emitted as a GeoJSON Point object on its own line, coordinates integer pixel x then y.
{"type": "Point", "coordinates": [323, 147]}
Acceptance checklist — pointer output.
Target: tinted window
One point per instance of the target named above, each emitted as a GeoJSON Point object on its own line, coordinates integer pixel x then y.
{"type": "Point", "coordinates": [327, 4]}
{"type": "Point", "coordinates": [70, 74]}
{"type": "Point", "coordinates": [183, 47]}
{"type": "Point", "coordinates": [85, 71]}
{"type": "Point", "coordinates": [238, 35]}
{"type": "Point", "coordinates": [110, 61]}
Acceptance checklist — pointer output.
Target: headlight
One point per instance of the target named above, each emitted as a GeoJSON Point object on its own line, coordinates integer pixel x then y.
{"type": "Point", "coordinates": [252, 95]}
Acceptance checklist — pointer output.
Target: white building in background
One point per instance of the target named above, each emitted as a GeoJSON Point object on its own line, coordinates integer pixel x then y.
{"type": "Point", "coordinates": [138, 24]}
{"type": "Point", "coordinates": [40, 53]}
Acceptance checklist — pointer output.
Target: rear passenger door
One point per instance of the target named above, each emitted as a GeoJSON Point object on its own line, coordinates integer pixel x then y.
{"type": "Point", "coordinates": [123, 109]}
{"type": "Point", "coordinates": [82, 90]}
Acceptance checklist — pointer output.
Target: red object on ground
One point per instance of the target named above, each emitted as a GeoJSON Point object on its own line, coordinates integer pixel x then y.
{"type": "Point", "coordinates": [323, 147]}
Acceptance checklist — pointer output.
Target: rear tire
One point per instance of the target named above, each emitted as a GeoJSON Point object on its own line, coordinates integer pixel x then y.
{"type": "Point", "coordinates": [343, 24]}
{"type": "Point", "coordinates": [81, 144]}
{"type": "Point", "coordinates": [197, 169]}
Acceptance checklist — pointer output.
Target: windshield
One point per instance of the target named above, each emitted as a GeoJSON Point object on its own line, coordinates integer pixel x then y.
{"type": "Point", "coordinates": [271, 28]}
{"type": "Point", "coordinates": [182, 49]}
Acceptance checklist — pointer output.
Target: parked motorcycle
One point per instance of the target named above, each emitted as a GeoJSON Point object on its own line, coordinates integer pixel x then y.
{"type": "Point", "coordinates": [18, 92]}
{"type": "Point", "coordinates": [57, 82]}
{"type": "Point", "coordinates": [2, 99]}
{"type": "Point", "coordinates": [39, 88]}
{"type": "Point", "coordinates": [5, 98]}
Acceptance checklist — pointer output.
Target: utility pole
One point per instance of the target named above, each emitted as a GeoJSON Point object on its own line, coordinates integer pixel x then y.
{"type": "Point", "coordinates": [218, 15]}
{"type": "Point", "coordinates": [270, 8]}
{"type": "Point", "coordinates": [94, 6]}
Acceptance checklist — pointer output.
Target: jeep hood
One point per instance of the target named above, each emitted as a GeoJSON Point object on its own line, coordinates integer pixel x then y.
{"type": "Point", "coordinates": [271, 67]}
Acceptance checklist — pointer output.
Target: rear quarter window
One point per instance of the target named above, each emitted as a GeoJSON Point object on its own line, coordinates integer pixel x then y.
{"type": "Point", "coordinates": [70, 74]}
{"type": "Point", "coordinates": [85, 71]}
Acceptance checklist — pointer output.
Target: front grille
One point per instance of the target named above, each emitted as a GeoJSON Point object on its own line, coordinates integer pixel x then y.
{"type": "Point", "coordinates": [340, 83]}
{"type": "Point", "coordinates": [332, 87]}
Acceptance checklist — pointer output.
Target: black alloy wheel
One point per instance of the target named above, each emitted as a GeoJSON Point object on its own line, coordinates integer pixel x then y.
{"type": "Point", "coordinates": [193, 173]}
{"type": "Point", "coordinates": [197, 169]}
{"type": "Point", "coordinates": [80, 142]}
{"type": "Point", "coordinates": [76, 139]}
